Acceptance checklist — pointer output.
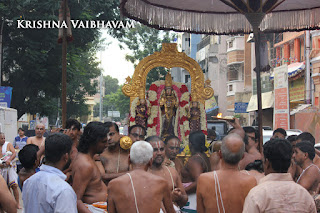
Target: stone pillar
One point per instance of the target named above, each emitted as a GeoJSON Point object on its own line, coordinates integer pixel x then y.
{"type": "Point", "coordinates": [286, 54]}
{"type": "Point", "coordinates": [297, 49]}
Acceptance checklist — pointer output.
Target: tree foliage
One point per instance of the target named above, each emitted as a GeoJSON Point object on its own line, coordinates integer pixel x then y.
{"type": "Point", "coordinates": [32, 57]}
{"type": "Point", "coordinates": [114, 99]}
{"type": "Point", "coordinates": [111, 84]}
{"type": "Point", "coordinates": [144, 41]}
{"type": "Point", "coordinates": [117, 101]}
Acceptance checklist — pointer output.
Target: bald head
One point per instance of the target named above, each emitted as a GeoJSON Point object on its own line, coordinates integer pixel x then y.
{"type": "Point", "coordinates": [239, 132]}
{"type": "Point", "coordinates": [40, 125]}
{"type": "Point", "coordinates": [232, 148]}
{"type": "Point", "coordinates": [40, 130]}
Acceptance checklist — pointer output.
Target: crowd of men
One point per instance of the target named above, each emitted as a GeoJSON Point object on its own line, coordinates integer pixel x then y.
{"type": "Point", "coordinates": [88, 171]}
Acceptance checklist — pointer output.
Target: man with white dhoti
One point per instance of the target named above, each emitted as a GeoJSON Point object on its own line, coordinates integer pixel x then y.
{"type": "Point", "coordinates": [8, 166]}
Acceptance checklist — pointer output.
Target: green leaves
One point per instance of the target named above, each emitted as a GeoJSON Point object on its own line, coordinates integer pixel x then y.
{"type": "Point", "coordinates": [32, 57]}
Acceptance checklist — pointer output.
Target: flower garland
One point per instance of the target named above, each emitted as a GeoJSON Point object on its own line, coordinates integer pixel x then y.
{"type": "Point", "coordinates": [155, 119]}
{"type": "Point", "coordinates": [132, 115]}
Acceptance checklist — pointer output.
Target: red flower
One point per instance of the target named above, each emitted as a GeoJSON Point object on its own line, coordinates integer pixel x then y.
{"type": "Point", "coordinates": [183, 103]}
{"type": "Point", "coordinates": [153, 87]}
{"type": "Point", "coordinates": [132, 119]}
{"type": "Point", "coordinates": [187, 133]}
{"type": "Point", "coordinates": [155, 121]}
{"type": "Point", "coordinates": [183, 119]}
{"type": "Point", "coordinates": [183, 89]}
{"type": "Point", "coordinates": [204, 132]}
{"type": "Point", "coordinates": [154, 102]}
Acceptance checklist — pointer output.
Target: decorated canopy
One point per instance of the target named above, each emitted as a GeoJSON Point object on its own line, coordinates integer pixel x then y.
{"type": "Point", "coordinates": [223, 16]}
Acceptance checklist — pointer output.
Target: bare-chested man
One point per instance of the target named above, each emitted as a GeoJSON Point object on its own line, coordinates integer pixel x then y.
{"type": "Point", "coordinates": [251, 144]}
{"type": "Point", "coordinates": [227, 188]}
{"type": "Point", "coordinates": [38, 139]}
{"type": "Point", "coordinates": [247, 158]}
{"type": "Point", "coordinates": [214, 156]}
{"type": "Point", "coordinates": [7, 202]}
{"type": "Point", "coordinates": [139, 191]}
{"type": "Point", "coordinates": [73, 127]}
{"type": "Point", "coordinates": [294, 169]}
{"type": "Point", "coordinates": [6, 168]}
{"type": "Point", "coordinates": [306, 136]}
{"type": "Point", "coordinates": [114, 159]}
{"type": "Point", "coordinates": [87, 182]}
{"type": "Point", "coordinates": [310, 177]}
{"type": "Point", "coordinates": [73, 130]}
{"type": "Point", "coordinates": [172, 147]}
{"type": "Point", "coordinates": [137, 133]}
{"type": "Point", "coordinates": [179, 195]}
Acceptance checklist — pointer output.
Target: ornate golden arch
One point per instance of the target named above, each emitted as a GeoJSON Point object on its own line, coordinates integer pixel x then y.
{"type": "Point", "coordinates": [168, 57]}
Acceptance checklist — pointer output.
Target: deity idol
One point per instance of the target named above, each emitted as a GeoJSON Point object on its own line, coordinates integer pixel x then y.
{"type": "Point", "coordinates": [142, 110]}
{"type": "Point", "coordinates": [168, 105]}
{"type": "Point", "coordinates": [194, 116]}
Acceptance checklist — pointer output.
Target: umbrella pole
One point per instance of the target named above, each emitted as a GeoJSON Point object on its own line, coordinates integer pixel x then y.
{"type": "Point", "coordinates": [256, 32]}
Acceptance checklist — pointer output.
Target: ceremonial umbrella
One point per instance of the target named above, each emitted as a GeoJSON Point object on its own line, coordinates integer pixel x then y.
{"type": "Point", "coordinates": [227, 17]}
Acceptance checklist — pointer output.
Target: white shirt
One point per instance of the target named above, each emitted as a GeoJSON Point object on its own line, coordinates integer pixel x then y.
{"type": "Point", "coordinates": [47, 191]}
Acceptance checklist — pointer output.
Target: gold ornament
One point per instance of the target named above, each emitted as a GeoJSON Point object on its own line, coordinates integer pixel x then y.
{"type": "Point", "coordinates": [168, 81]}
{"type": "Point", "coordinates": [194, 98]}
{"type": "Point", "coordinates": [125, 142]}
{"type": "Point", "coordinates": [168, 57]}
{"type": "Point", "coordinates": [141, 93]}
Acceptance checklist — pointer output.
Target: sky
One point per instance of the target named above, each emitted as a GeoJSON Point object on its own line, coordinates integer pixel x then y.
{"type": "Point", "coordinates": [113, 60]}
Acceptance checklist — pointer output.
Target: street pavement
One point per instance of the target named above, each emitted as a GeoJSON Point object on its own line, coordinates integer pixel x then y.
{"type": "Point", "coordinates": [21, 203]}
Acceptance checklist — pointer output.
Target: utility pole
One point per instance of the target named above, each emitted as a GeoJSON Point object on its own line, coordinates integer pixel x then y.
{"type": "Point", "coordinates": [101, 49]}
{"type": "Point", "coordinates": [1, 32]}
{"type": "Point", "coordinates": [101, 96]}
{"type": "Point", "coordinates": [64, 70]}
{"type": "Point", "coordinates": [308, 87]}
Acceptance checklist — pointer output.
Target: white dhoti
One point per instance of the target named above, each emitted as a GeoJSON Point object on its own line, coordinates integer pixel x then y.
{"type": "Point", "coordinates": [9, 175]}
{"type": "Point", "coordinates": [176, 209]}
{"type": "Point", "coordinates": [191, 205]}
{"type": "Point", "coordinates": [98, 207]}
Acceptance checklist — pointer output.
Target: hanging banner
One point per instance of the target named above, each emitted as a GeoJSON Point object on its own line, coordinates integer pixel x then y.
{"type": "Point", "coordinates": [281, 117]}
{"type": "Point", "coordinates": [211, 104]}
{"type": "Point", "coordinates": [5, 96]}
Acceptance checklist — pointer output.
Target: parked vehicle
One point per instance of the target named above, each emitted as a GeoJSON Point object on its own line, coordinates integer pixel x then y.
{"type": "Point", "coordinates": [267, 134]}
{"type": "Point", "coordinates": [220, 126]}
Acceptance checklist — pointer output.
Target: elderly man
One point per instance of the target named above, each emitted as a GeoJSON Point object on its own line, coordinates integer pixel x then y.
{"type": "Point", "coordinates": [227, 188]}
{"type": "Point", "coordinates": [303, 156]}
{"type": "Point", "coordinates": [87, 183]}
{"type": "Point", "coordinates": [6, 168]}
{"type": "Point", "coordinates": [47, 191]}
{"type": "Point", "coordinates": [38, 139]}
{"type": "Point", "coordinates": [134, 190]}
{"type": "Point", "coordinates": [179, 195]}
{"type": "Point", "coordinates": [277, 192]}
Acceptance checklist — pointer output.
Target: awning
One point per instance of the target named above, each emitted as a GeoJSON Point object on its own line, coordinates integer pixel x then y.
{"type": "Point", "coordinates": [299, 108]}
{"type": "Point", "coordinates": [267, 101]}
{"type": "Point", "coordinates": [293, 69]}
